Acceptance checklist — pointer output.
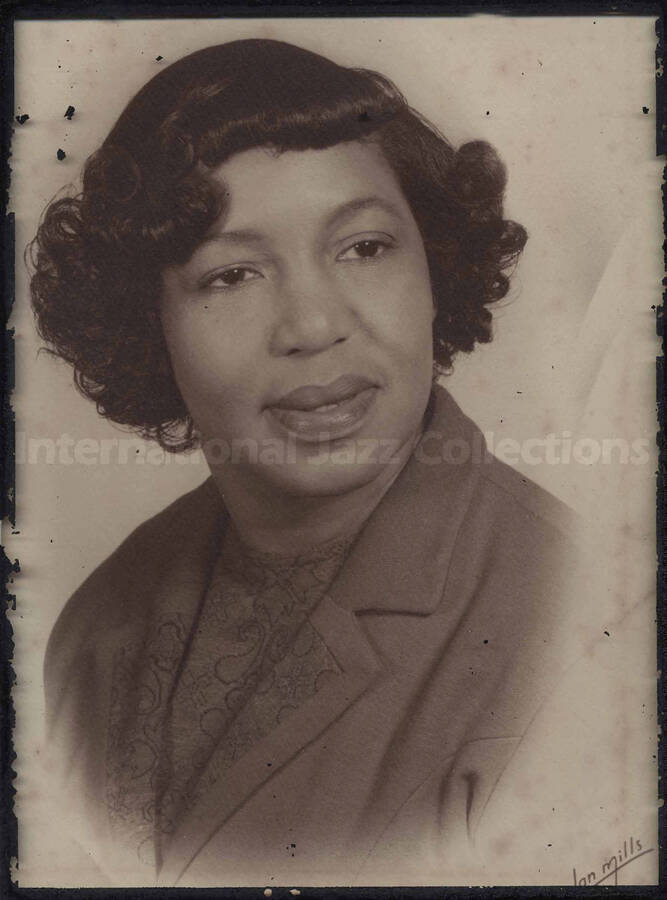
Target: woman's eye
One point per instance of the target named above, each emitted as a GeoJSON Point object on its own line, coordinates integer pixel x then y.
{"type": "Point", "coordinates": [232, 277]}
{"type": "Point", "coordinates": [368, 249]}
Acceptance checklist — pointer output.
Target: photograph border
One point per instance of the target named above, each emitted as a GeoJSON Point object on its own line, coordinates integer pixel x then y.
{"type": "Point", "coordinates": [12, 12]}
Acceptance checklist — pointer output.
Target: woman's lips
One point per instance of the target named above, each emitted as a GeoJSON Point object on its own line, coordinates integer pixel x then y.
{"type": "Point", "coordinates": [314, 413]}
{"type": "Point", "coordinates": [311, 396]}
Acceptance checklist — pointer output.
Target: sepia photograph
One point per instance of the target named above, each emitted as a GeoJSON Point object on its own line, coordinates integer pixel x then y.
{"type": "Point", "coordinates": [336, 451]}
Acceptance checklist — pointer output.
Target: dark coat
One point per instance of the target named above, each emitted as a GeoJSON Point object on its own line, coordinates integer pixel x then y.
{"type": "Point", "coordinates": [451, 623]}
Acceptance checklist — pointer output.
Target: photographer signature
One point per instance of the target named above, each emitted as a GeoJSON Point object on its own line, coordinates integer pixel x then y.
{"type": "Point", "coordinates": [631, 850]}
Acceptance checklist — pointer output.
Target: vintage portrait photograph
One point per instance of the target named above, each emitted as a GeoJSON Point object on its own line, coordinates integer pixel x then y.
{"type": "Point", "coordinates": [336, 451]}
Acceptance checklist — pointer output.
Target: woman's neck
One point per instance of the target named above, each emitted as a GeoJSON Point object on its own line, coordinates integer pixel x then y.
{"type": "Point", "coordinates": [279, 522]}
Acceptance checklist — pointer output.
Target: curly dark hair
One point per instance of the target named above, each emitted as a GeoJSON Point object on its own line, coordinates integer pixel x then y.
{"type": "Point", "coordinates": [148, 200]}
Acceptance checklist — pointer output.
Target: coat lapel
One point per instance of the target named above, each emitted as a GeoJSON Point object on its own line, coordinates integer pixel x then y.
{"type": "Point", "coordinates": [400, 561]}
{"type": "Point", "coordinates": [151, 629]}
{"type": "Point", "coordinates": [398, 564]}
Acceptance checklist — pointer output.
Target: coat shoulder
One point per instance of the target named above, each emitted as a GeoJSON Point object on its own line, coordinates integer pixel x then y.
{"type": "Point", "coordinates": [108, 599]}
{"type": "Point", "coordinates": [527, 497]}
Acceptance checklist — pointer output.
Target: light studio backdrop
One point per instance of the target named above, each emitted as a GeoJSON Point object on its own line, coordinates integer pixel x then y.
{"type": "Point", "coordinates": [565, 392]}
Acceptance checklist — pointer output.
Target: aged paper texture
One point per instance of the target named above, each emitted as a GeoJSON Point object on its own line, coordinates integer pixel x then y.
{"type": "Point", "coordinates": [563, 395]}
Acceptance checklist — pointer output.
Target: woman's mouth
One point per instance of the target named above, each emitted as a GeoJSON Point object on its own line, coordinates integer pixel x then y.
{"type": "Point", "coordinates": [315, 413]}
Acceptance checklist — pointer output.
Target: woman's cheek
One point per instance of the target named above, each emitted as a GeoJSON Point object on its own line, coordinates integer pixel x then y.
{"type": "Point", "coordinates": [408, 312]}
{"type": "Point", "coordinates": [224, 362]}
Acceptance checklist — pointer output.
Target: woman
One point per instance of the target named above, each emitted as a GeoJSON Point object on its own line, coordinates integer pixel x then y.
{"type": "Point", "coordinates": [318, 666]}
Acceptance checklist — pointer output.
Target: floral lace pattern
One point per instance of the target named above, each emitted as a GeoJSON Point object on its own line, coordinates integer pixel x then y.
{"type": "Point", "coordinates": [191, 700]}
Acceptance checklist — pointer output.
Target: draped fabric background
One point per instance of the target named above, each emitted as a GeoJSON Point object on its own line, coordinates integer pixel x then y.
{"type": "Point", "coordinates": [569, 104]}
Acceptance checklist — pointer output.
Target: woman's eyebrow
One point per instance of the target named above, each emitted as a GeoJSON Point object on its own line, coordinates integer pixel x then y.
{"type": "Point", "coordinates": [359, 204]}
{"type": "Point", "coordinates": [242, 236]}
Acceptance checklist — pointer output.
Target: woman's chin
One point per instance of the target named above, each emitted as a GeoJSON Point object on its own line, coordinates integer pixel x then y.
{"type": "Point", "coordinates": [322, 476]}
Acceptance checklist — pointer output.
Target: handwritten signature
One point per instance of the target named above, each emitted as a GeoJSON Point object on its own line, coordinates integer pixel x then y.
{"type": "Point", "coordinates": [631, 850]}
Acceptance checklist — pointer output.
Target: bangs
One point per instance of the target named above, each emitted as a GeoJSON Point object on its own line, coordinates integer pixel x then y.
{"type": "Point", "coordinates": [234, 97]}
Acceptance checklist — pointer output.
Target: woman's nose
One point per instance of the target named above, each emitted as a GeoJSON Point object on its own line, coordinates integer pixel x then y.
{"type": "Point", "coordinates": [313, 315]}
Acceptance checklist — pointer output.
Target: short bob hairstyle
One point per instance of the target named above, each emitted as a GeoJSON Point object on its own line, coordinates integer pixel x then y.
{"type": "Point", "coordinates": [148, 200]}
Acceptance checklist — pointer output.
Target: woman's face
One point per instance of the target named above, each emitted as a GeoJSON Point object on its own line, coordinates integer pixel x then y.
{"type": "Point", "coordinates": [300, 330]}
